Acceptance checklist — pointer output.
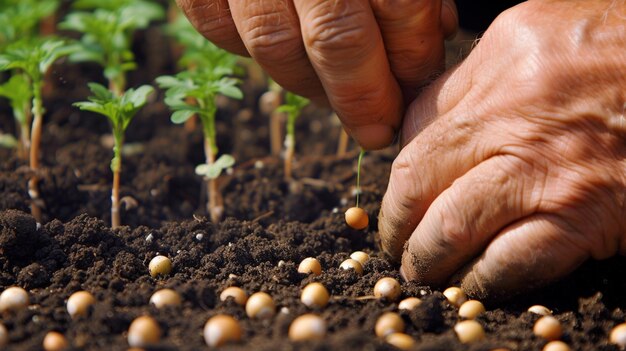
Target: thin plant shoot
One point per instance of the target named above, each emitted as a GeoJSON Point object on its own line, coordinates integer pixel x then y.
{"type": "Point", "coordinates": [356, 217]}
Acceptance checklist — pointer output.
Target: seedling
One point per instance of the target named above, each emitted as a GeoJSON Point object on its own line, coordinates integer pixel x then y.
{"type": "Point", "coordinates": [293, 108]}
{"type": "Point", "coordinates": [356, 217]}
{"type": "Point", "coordinates": [19, 19]}
{"type": "Point", "coordinates": [18, 90]}
{"type": "Point", "coordinates": [120, 110]}
{"type": "Point", "coordinates": [33, 57]}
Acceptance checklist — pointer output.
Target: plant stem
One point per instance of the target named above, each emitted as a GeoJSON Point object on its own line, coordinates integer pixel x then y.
{"type": "Point", "coordinates": [290, 144]}
{"type": "Point", "coordinates": [275, 134]}
{"type": "Point", "coordinates": [33, 188]}
{"type": "Point", "coordinates": [342, 146]}
{"type": "Point", "coordinates": [116, 167]}
{"type": "Point", "coordinates": [24, 145]}
{"type": "Point", "coordinates": [214, 206]}
{"type": "Point", "coordinates": [358, 177]}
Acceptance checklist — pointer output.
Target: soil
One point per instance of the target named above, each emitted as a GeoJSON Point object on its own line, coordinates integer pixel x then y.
{"type": "Point", "coordinates": [270, 226]}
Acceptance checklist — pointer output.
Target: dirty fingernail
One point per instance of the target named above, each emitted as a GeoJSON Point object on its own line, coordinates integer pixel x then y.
{"type": "Point", "coordinates": [373, 136]}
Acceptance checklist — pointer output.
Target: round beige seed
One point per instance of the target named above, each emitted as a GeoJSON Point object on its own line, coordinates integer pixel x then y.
{"type": "Point", "coordinates": [471, 309]}
{"type": "Point", "coordinates": [79, 303]}
{"type": "Point", "coordinates": [352, 264]}
{"type": "Point", "coordinates": [360, 256]}
{"type": "Point", "coordinates": [260, 305]}
{"type": "Point", "coordinates": [310, 265]}
{"type": "Point", "coordinates": [307, 327]}
{"type": "Point", "coordinates": [13, 299]}
{"type": "Point", "coordinates": [387, 288]}
{"type": "Point", "coordinates": [540, 310]}
{"type": "Point", "coordinates": [409, 303]}
{"type": "Point", "coordinates": [165, 297]}
{"type": "Point", "coordinates": [221, 329]}
{"type": "Point", "coordinates": [143, 331]}
{"type": "Point", "coordinates": [556, 346]}
{"type": "Point", "coordinates": [357, 218]}
{"type": "Point", "coordinates": [455, 296]}
{"type": "Point", "coordinates": [54, 341]}
{"type": "Point", "coordinates": [237, 293]}
{"type": "Point", "coordinates": [4, 336]}
{"type": "Point", "coordinates": [469, 331]}
{"type": "Point", "coordinates": [389, 323]}
{"type": "Point", "coordinates": [315, 295]}
{"type": "Point", "coordinates": [400, 340]}
{"type": "Point", "coordinates": [618, 335]}
{"type": "Point", "coordinates": [548, 328]}
{"type": "Point", "coordinates": [160, 265]}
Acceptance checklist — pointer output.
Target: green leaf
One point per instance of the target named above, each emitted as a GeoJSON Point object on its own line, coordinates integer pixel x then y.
{"type": "Point", "coordinates": [7, 141]}
{"type": "Point", "coordinates": [181, 116]}
{"type": "Point", "coordinates": [225, 161]}
{"type": "Point", "coordinates": [231, 92]}
{"type": "Point", "coordinates": [214, 170]}
{"type": "Point", "coordinates": [139, 96]}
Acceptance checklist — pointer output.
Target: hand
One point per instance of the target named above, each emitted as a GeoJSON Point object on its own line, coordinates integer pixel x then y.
{"type": "Point", "coordinates": [359, 54]}
{"type": "Point", "coordinates": [514, 169]}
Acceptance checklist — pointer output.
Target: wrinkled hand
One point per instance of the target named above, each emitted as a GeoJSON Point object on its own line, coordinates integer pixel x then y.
{"type": "Point", "coordinates": [358, 54]}
{"type": "Point", "coordinates": [514, 168]}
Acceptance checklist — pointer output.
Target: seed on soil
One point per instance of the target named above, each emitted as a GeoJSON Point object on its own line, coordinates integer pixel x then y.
{"type": "Point", "coordinates": [387, 288]}
{"type": "Point", "coordinates": [236, 293]}
{"type": "Point", "coordinates": [360, 256]}
{"type": "Point", "coordinates": [221, 329]}
{"type": "Point", "coordinates": [548, 328]}
{"type": "Point", "coordinates": [357, 218]}
{"type": "Point", "coordinates": [352, 264]}
{"type": "Point", "coordinates": [54, 341]}
{"type": "Point", "coordinates": [556, 345]}
{"type": "Point", "coordinates": [471, 309]}
{"type": "Point", "coordinates": [160, 265]}
{"type": "Point", "coordinates": [79, 303]}
{"type": "Point", "coordinates": [4, 335]}
{"type": "Point", "coordinates": [455, 296]}
{"type": "Point", "coordinates": [469, 331]}
{"type": "Point", "coordinates": [315, 295]}
{"type": "Point", "coordinates": [13, 299]}
{"type": "Point", "coordinates": [260, 305]}
{"type": "Point", "coordinates": [165, 297]}
{"type": "Point", "coordinates": [400, 340]}
{"type": "Point", "coordinates": [540, 310]}
{"type": "Point", "coordinates": [618, 335]}
{"type": "Point", "coordinates": [143, 331]}
{"type": "Point", "coordinates": [389, 323]}
{"type": "Point", "coordinates": [310, 265]}
{"type": "Point", "coordinates": [307, 327]}
{"type": "Point", "coordinates": [409, 303]}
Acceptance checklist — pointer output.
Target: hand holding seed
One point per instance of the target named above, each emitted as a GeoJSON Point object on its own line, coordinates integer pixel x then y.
{"type": "Point", "coordinates": [513, 170]}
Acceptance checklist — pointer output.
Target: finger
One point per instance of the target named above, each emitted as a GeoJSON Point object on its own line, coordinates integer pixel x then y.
{"type": "Point", "coordinates": [449, 19]}
{"type": "Point", "coordinates": [213, 20]}
{"type": "Point", "coordinates": [271, 33]}
{"type": "Point", "coordinates": [346, 50]}
{"type": "Point", "coordinates": [526, 255]}
{"type": "Point", "coordinates": [413, 35]}
{"type": "Point", "coordinates": [464, 218]}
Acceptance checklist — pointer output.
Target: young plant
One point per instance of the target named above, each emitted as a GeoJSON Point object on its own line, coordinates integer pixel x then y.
{"type": "Point", "coordinates": [356, 217]}
{"type": "Point", "coordinates": [107, 35]}
{"type": "Point", "coordinates": [19, 19]}
{"type": "Point", "coordinates": [293, 108]}
{"type": "Point", "coordinates": [17, 89]}
{"type": "Point", "coordinates": [120, 110]}
{"type": "Point", "coordinates": [33, 57]}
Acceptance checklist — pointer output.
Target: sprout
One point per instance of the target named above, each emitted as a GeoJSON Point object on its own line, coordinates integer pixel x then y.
{"type": "Point", "coordinates": [400, 340]}
{"type": "Point", "coordinates": [120, 111]}
{"type": "Point", "coordinates": [387, 288]}
{"type": "Point", "coordinates": [54, 341]}
{"type": "Point", "coordinates": [389, 323]}
{"type": "Point", "coordinates": [409, 303]}
{"type": "Point", "coordinates": [356, 217]}
{"type": "Point", "coordinates": [160, 265]}
{"type": "Point", "coordinates": [315, 295]}
{"type": "Point", "coordinates": [556, 345]}
{"type": "Point", "coordinates": [469, 331]}
{"type": "Point", "coordinates": [221, 329]}
{"type": "Point", "coordinates": [471, 309]}
{"type": "Point", "coordinates": [17, 89]}
{"type": "Point", "coordinates": [540, 310]}
{"type": "Point", "coordinates": [79, 303]}
{"type": "Point", "coordinates": [307, 327]}
{"type": "Point", "coordinates": [143, 331]}
{"type": "Point", "coordinates": [165, 297]}
{"type": "Point", "coordinates": [293, 108]}
{"type": "Point", "coordinates": [20, 19]}
{"type": "Point", "coordinates": [236, 293]}
{"type": "Point", "coordinates": [548, 328]}
{"type": "Point", "coordinates": [14, 299]}
{"type": "Point", "coordinates": [310, 265]}
{"type": "Point", "coordinates": [455, 296]}
{"type": "Point", "coordinates": [261, 306]}
{"type": "Point", "coordinates": [360, 256]}
{"type": "Point", "coordinates": [352, 264]}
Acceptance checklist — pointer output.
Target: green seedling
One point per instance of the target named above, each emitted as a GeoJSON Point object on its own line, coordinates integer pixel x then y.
{"type": "Point", "coordinates": [293, 108]}
{"type": "Point", "coordinates": [19, 19]}
{"type": "Point", "coordinates": [355, 216]}
{"type": "Point", "coordinates": [18, 90]}
{"type": "Point", "coordinates": [107, 34]}
{"type": "Point", "coordinates": [34, 57]}
{"type": "Point", "coordinates": [120, 111]}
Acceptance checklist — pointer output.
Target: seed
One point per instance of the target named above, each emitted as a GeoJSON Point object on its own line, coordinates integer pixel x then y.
{"type": "Point", "coordinates": [540, 310]}
{"type": "Point", "coordinates": [260, 305]}
{"type": "Point", "coordinates": [160, 265]}
{"type": "Point", "coordinates": [310, 265]}
{"type": "Point", "coordinates": [13, 299]}
{"type": "Point", "coordinates": [409, 303]}
{"type": "Point", "coordinates": [165, 297]}
{"type": "Point", "coordinates": [143, 331]}
{"type": "Point", "coordinates": [360, 256]}
{"type": "Point", "coordinates": [387, 288]}
{"type": "Point", "coordinates": [389, 323]}
{"type": "Point", "coordinates": [471, 309]}
{"type": "Point", "coordinates": [307, 327]}
{"type": "Point", "coordinates": [315, 295]}
{"type": "Point", "coordinates": [79, 303]}
{"type": "Point", "coordinates": [352, 264]}
{"type": "Point", "coordinates": [236, 293]}
{"type": "Point", "coordinates": [455, 296]}
{"type": "Point", "coordinates": [548, 328]}
{"type": "Point", "coordinates": [54, 341]}
{"type": "Point", "coordinates": [221, 329]}
{"type": "Point", "coordinates": [556, 346]}
{"type": "Point", "coordinates": [357, 218]}
{"type": "Point", "coordinates": [4, 335]}
{"type": "Point", "coordinates": [618, 335]}
{"type": "Point", "coordinates": [469, 331]}
{"type": "Point", "coordinates": [400, 340]}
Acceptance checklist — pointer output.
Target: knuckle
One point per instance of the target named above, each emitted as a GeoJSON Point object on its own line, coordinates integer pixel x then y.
{"type": "Point", "coordinates": [270, 39]}
{"type": "Point", "coordinates": [210, 18]}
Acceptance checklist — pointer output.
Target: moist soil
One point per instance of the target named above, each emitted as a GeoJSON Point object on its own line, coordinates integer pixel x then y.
{"type": "Point", "coordinates": [270, 225]}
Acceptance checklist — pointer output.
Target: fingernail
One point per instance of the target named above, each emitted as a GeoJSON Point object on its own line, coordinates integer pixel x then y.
{"type": "Point", "coordinates": [374, 136]}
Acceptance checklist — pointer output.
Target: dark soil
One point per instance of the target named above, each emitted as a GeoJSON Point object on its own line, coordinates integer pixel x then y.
{"type": "Point", "coordinates": [271, 226]}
